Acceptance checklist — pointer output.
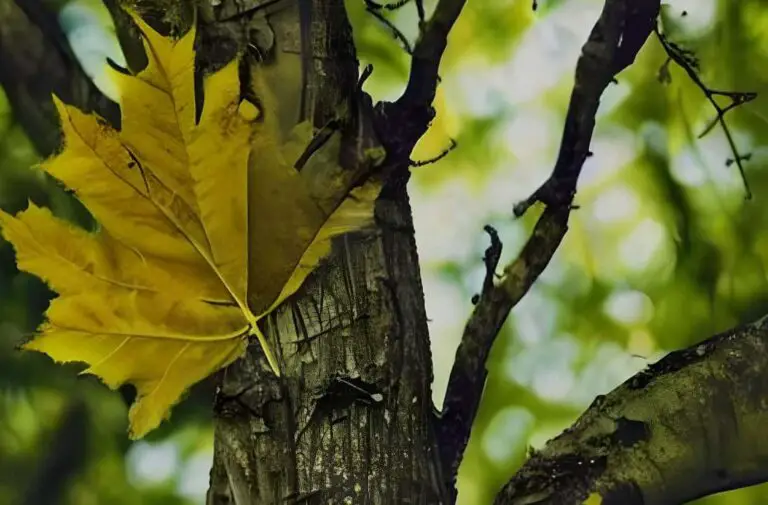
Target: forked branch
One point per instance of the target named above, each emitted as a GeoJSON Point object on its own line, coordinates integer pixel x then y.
{"type": "Point", "coordinates": [688, 62]}
{"type": "Point", "coordinates": [621, 30]}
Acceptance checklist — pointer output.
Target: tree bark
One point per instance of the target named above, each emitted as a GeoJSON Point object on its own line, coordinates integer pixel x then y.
{"type": "Point", "coordinates": [691, 425]}
{"type": "Point", "coordinates": [352, 420]}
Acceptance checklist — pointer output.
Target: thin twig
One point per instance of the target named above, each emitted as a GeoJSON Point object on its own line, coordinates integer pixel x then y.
{"type": "Point", "coordinates": [398, 5]}
{"type": "Point", "coordinates": [491, 258]}
{"type": "Point", "coordinates": [396, 32]}
{"type": "Point", "coordinates": [369, 4]}
{"type": "Point", "coordinates": [437, 158]}
{"type": "Point", "coordinates": [686, 60]}
{"type": "Point", "coordinates": [400, 124]}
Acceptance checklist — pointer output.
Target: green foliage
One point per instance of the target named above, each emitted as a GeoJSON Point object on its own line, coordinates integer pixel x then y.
{"type": "Point", "coordinates": [663, 251]}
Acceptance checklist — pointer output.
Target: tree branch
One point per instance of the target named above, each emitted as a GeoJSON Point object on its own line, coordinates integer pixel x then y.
{"type": "Point", "coordinates": [689, 63]}
{"type": "Point", "coordinates": [425, 62]}
{"type": "Point", "coordinates": [690, 425]}
{"type": "Point", "coordinates": [619, 33]}
{"type": "Point", "coordinates": [35, 60]}
{"type": "Point", "coordinates": [401, 124]}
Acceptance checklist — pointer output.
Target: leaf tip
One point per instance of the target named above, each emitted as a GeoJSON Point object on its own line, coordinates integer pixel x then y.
{"type": "Point", "coordinates": [32, 344]}
{"type": "Point", "coordinates": [142, 25]}
{"type": "Point", "coordinates": [143, 417]}
{"type": "Point", "coordinates": [61, 107]}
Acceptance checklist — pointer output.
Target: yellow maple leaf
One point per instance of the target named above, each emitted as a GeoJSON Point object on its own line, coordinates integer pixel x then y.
{"type": "Point", "coordinates": [205, 227]}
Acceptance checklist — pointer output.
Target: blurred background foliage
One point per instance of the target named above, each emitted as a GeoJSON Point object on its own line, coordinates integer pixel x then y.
{"type": "Point", "coordinates": [663, 251]}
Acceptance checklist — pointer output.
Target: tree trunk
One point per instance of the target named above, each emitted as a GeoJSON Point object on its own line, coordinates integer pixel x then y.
{"type": "Point", "coordinates": [352, 422]}
{"type": "Point", "coordinates": [354, 425]}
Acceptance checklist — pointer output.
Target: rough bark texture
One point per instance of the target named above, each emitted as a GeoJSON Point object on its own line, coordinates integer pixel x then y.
{"type": "Point", "coordinates": [691, 425]}
{"type": "Point", "coordinates": [351, 420]}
